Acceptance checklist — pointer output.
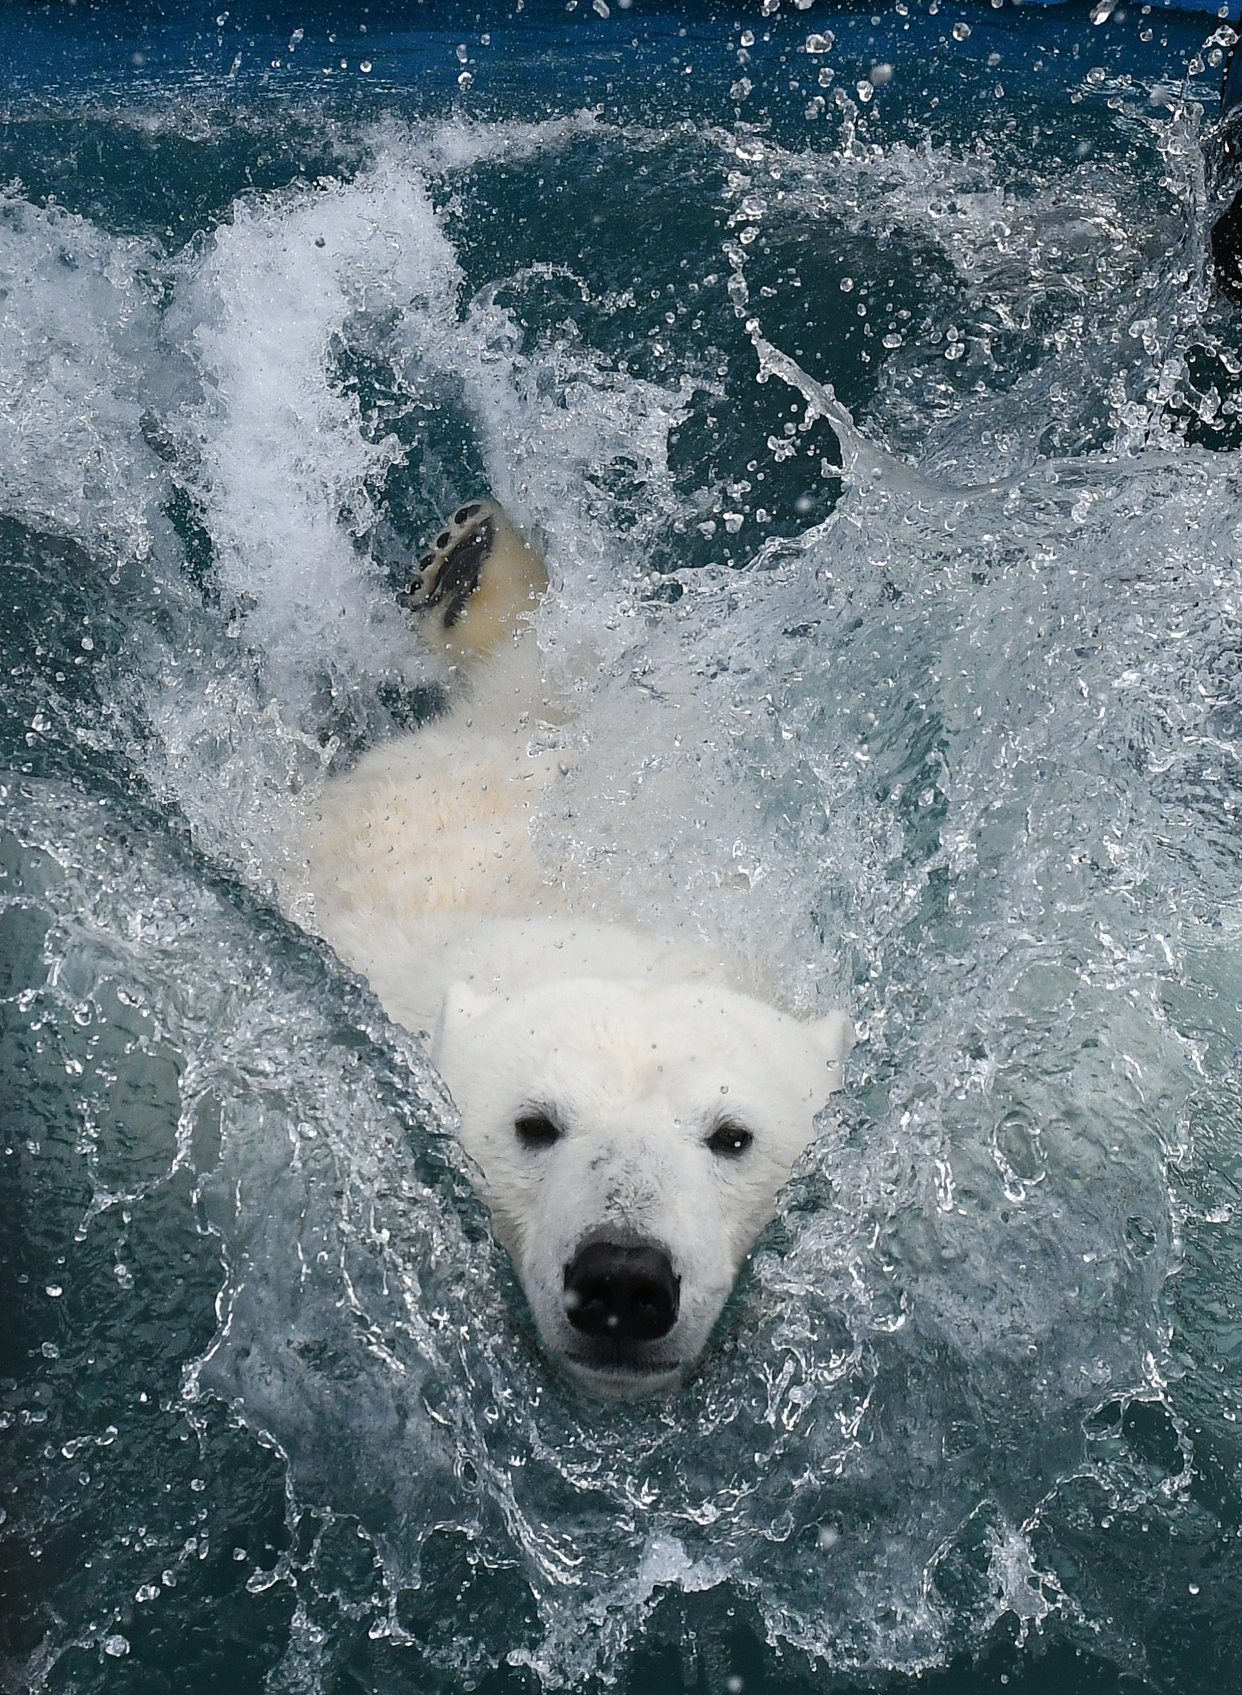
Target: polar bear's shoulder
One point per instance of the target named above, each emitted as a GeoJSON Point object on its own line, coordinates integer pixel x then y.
{"type": "Point", "coordinates": [426, 827]}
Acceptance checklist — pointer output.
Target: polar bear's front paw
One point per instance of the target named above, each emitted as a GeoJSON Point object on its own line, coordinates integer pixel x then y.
{"type": "Point", "coordinates": [476, 579]}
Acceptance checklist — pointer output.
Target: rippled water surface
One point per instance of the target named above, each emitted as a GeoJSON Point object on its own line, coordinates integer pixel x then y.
{"type": "Point", "coordinates": [862, 377]}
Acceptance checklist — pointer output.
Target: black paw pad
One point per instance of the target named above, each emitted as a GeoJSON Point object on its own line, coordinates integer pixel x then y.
{"type": "Point", "coordinates": [449, 575]}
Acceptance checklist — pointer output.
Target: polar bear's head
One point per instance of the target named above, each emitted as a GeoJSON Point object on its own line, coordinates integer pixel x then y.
{"type": "Point", "coordinates": [631, 1141]}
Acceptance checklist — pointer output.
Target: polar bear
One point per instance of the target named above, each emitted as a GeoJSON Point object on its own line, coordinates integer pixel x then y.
{"type": "Point", "coordinates": [629, 1114]}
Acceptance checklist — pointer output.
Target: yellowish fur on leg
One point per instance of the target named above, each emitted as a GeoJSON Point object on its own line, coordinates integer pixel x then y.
{"type": "Point", "coordinates": [476, 583]}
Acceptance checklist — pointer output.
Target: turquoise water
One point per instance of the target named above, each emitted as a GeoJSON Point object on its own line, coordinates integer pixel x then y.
{"type": "Point", "coordinates": [957, 639]}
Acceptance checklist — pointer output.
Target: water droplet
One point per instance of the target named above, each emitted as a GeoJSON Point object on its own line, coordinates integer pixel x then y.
{"type": "Point", "coordinates": [961, 31]}
{"type": "Point", "coordinates": [116, 1647]}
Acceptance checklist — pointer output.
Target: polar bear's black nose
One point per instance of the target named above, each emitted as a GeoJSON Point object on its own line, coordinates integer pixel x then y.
{"type": "Point", "coordinates": [625, 1293]}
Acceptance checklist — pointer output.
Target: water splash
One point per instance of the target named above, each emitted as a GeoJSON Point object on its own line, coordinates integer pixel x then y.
{"type": "Point", "coordinates": [963, 749]}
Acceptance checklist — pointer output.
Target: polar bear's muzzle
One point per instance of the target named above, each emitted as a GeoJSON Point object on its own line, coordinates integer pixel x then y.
{"type": "Point", "coordinates": [619, 1294]}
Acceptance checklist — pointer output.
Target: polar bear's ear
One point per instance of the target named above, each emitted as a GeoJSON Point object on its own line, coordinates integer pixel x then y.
{"type": "Point", "coordinates": [835, 1034]}
{"type": "Point", "coordinates": [462, 1005]}
{"type": "Point", "coordinates": [834, 1037]}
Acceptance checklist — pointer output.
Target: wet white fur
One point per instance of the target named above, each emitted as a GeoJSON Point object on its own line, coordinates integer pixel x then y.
{"type": "Point", "coordinates": [425, 879]}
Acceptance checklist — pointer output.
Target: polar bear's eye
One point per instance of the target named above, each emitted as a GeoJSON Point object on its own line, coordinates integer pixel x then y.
{"type": "Point", "coordinates": [536, 1130]}
{"type": "Point", "coordinates": [729, 1139]}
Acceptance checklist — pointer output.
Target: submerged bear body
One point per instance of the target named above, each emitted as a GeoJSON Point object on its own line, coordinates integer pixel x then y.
{"type": "Point", "coordinates": [631, 1115]}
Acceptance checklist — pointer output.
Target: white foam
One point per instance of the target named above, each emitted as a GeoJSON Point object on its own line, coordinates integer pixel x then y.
{"type": "Point", "coordinates": [80, 334]}
{"type": "Point", "coordinates": [282, 455]}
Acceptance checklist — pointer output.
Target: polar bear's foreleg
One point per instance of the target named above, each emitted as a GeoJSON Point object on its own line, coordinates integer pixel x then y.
{"type": "Point", "coordinates": [475, 584]}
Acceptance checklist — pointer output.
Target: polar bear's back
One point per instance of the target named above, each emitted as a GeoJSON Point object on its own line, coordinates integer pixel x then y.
{"type": "Point", "coordinates": [427, 826]}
